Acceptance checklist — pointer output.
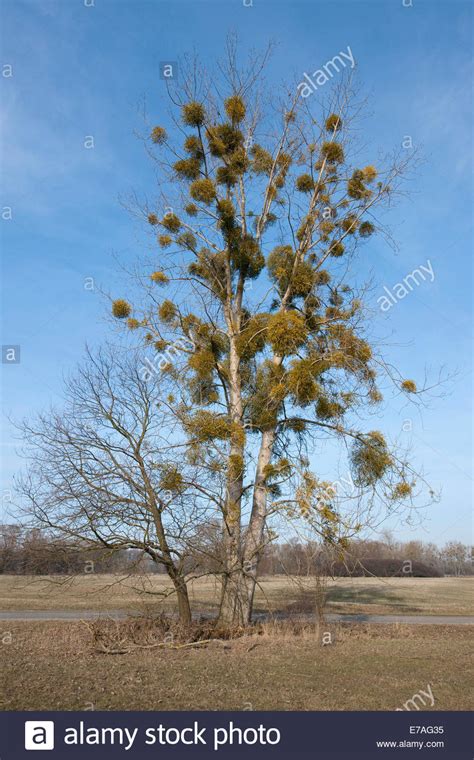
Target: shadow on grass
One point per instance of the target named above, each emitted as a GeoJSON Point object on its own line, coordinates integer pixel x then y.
{"type": "Point", "coordinates": [345, 598]}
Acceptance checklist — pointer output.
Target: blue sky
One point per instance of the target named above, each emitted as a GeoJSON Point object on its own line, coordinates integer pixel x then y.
{"type": "Point", "coordinates": [81, 71]}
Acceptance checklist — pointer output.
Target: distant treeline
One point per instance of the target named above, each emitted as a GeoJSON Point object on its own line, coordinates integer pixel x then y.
{"type": "Point", "coordinates": [382, 558]}
{"type": "Point", "coordinates": [30, 552]}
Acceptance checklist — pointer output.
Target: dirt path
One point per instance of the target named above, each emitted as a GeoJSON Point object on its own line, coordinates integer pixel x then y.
{"type": "Point", "coordinates": [24, 615]}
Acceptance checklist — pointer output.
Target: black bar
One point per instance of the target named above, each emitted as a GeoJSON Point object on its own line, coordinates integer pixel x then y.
{"type": "Point", "coordinates": [316, 735]}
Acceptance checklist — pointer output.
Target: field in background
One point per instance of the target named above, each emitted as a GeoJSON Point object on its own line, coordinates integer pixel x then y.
{"type": "Point", "coordinates": [424, 596]}
{"type": "Point", "coordinates": [51, 666]}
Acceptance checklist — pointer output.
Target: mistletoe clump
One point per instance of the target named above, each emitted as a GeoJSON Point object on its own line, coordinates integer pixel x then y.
{"type": "Point", "coordinates": [235, 108]}
{"type": "Point", "coordinates": [165, 240]}
{"type": "Point", "coordinates": [286, 272]}
{"type": "Point", "coordinates": [171, 479]}
{"type": "Point", "coordinates": [409, 386]}
{"type": "Point", "coordinates": [370, 458]}
{"type": "Point", "coordinates": [171, 222]}
{"type": "Point", "coordinates": [167, 311]}
{"type": "Point", "coordinates": [203, 362]}
{"type": "Point", "coordinates": [305, 183]}
{"type": "Point", "coordinates": [159, 135]}
{"type": "Point", "coordinates": [286, 332]}
{"type": "Point", "coordinates": [332, 152]}
{"type": "Point", "coordinates": [262, 161]}
{"type": "Point", "coordinates": [193, 114]}
{"type": "Point", "coordinates": [189, 168]}
{"type": "Point", "coordinates": [301, 382]}
{"type": "Point", "coordinates": [333, 122]}
{"type": "Point", "coordinates": [160, 278]}
{"type": "Point", "coordinates": [207, 426]}
{"type": "Point", "coordinates": [121, 309]}
{"type": "Point", "coordinates": [203, 190]}
{"type": "Point", "coordinates": [366, 229]}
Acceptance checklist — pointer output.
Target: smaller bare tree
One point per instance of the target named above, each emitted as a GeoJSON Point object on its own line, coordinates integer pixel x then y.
{"type": "Point", "coordinates": [108, 469]}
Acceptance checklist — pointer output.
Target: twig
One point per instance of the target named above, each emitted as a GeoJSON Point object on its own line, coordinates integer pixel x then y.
{"type": "Point", "coordinates": [103, 649]}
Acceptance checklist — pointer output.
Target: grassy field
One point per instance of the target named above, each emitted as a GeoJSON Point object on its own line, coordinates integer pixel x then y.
{"type": "Point", "coordinates": [55, 665]}
{"type": "Point", "coordinates": [52, 666]}
{"type": "Point", "coordinates": [424, 596]}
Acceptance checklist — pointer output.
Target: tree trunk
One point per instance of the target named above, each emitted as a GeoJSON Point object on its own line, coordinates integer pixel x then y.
{"type": "Point", "coordinates": [254, 539]}
{"type": "Point", "coordinates": [233, 599]}
{"type": "Point", "coordinates": [174, 571]}
{"type": "Point", "coordinates": [230, 611]}
{"type": "Point", "coordinates": [233, 587]}
{"type": "Point", "coordinates": [184, 608]}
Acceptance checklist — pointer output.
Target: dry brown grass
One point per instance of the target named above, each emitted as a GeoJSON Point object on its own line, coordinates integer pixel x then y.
{"type": "Point", "coordinates": [53, 666]}
{"type": "Point", "coordinates": [425, 596]}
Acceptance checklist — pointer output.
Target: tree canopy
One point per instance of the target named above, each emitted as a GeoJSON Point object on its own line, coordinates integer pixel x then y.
{"type": "Point", "coordinates": [262, 209]}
